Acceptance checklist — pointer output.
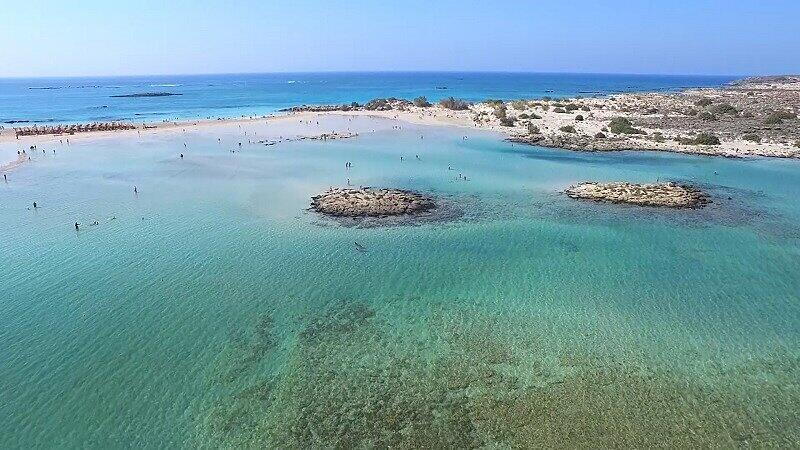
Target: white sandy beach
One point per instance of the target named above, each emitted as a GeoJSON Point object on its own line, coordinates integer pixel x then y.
{"type": "Point", "coordinates": [547, 117]}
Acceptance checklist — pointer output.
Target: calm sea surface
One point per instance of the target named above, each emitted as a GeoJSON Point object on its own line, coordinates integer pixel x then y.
{"type": "Point", "coordinates": [214, 310]}
{"type": "Point", "coordinates": [70, 100]}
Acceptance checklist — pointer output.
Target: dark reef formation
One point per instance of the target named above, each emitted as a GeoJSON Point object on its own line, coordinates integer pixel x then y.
{"type": "Point", "coordinates": [349, 379]}
{"type": "Point", "coordinates": [671, 195]}
{"type": "Point", "coordinates": [370, 202]}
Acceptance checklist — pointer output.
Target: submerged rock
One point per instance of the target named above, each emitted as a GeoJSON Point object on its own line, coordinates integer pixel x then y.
{"type": "Point", "coordinates": [370, 202]}
{"type": "Point", "coordinates": [670, 195]}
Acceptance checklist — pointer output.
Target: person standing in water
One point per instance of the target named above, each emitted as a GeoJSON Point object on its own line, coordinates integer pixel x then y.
{"type": "Point", "coordinates": [135, 190]}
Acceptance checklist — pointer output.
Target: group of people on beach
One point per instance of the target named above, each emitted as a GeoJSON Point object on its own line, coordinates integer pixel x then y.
{"type": "Point", "coordinates": [110, 126]}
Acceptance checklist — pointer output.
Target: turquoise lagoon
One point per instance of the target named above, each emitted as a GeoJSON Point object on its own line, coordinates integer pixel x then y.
{"type": "Point", "coordinates": [215, 310]}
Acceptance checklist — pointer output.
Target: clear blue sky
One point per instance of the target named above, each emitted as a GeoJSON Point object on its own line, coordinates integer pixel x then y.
{"type": "Point", "coordinates": [88, 37]}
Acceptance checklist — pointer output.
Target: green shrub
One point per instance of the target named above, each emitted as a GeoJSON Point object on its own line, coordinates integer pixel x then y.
{"type": "Point", "coordinates": [658, 137]}
{"type": "Point", "coordinates": [519, 105]}
{"type": "Point", "coordinates": [600, 135]}
{"type": "Point", "coordinates": [773, 119]}
{"type": "Point", "coordinates": [378, 104]}
{"type": "Point", "coordinates": [703, 102]}
{"type": "Point", "coordinates": [560, 110]}
{"type": "Point", "coordinates": [724, 108]}
{"type": "Point", "coordinates": [752, 137]}
{"type": "Point", "coordinates": [784, 115]}
{"type": "Point", "coordinates": [421, 102]}
{"type": "Point", "coordinates": [579, 118]}
{"type": "Point", "coordinates": [691, 112]}
{"type": "Point", "coordinates": [500, 111]}
{"type": "Point", "coordinates": [652, 111]}
{"type": "Point", "coordinates": [706, 139]}
{"type": "Point", "coordinates": [621, 125]}
{"type": "Point", "coordinates": [571, 107]}
{"type": "Point", "coordinates": [493, 101]}
{"type": "Point", "coordinates": [707, 116]}
{"type": "Point", "coordinates": [523, 116]}
{"type": "Point", "coordinates": [507, 121]}
{"type": "Point", "coordinates": [585, 108]}
{"type": "Point", "coordinates": [533, 129]}
{"type": "Point", "coordinates": [535, 116]}
{"type": "Point", "coordinates": [454, 104]}
{"type": "Point", "coordinates": [567, 129]}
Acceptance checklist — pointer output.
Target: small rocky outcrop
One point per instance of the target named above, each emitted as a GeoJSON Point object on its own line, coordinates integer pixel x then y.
{"type": "Point", "coordinates": [671, 195]}
{"type": "Point", "coordinates": [370, 202]}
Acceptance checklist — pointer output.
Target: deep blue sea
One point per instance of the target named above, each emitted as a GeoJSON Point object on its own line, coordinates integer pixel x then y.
{"type": "Point", "coordinates": [71, 100]}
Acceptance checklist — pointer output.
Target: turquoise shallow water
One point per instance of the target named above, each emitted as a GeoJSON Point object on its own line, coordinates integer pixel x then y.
{"type": "Point", "coordinates": [215, 310]}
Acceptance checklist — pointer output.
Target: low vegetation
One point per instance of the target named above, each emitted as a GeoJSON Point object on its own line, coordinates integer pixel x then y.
{"type": "Point", "coordinates": [519, 105]}
{"type": "Point", "coordinates": [707, 116]}
{"type": "Point", "coordinates": [567, 129]}
{"type": "Point", "coordinates": [501, 112]}
{"type": "Point", "coordinates": [378, 104]}
{"type": "Point", "coordinates": [703, 139]}
{"type": "Point", "coordinates": [453, 104]}
{"type": "Point", "coordinates": [724, 108]}
{"type": "Point", "coordinates": [621, 125]}
{"type": "Point", "coordinates": [421, 102]}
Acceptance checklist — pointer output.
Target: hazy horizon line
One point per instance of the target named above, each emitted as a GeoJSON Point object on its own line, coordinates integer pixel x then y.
{"type": "Point", "coordinates": [200, 74]}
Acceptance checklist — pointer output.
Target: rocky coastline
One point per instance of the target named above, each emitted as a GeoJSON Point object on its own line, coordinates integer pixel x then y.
{"type": "Point", "coordinates": [755, 116]}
